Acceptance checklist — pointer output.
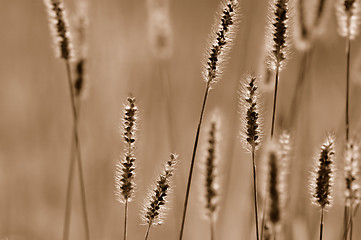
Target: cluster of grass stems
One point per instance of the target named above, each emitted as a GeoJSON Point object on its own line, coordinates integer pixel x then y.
{"type": "Point", "coordinates": [277, 146]}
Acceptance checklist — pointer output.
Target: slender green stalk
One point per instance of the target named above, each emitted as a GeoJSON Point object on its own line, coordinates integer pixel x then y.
{"type": "Point", "coordinates": [77, 149]}
{"type": "Point", "coordinates": [321, 224]}
{"type": "Point", "coordinates": [275, 101]}
{"type": "Point", "coordinates": [148, 229]}
{"type": "Point", "coordinates": [125, 218]}
{"type": "Point", "coordinates": [193, 160]}
{"type": "Point", "coordinates": [255, 192]}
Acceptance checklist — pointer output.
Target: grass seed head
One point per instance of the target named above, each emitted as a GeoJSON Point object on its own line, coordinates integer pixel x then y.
{"type": "Point", "coordinates": [221, 41]}
{"type": "Point", "coordinates": [124, 175]}
{"type": "Point", "coordinates": [59, 27]}
{"type": "Point", "coordinates": [278, 38]}
{"type": "Point", "coordinates": [348, 17]}
{"type": "Point", "coordinates": [250, 104]}
{"type": "Point", "coordinates": [351, 171]}
{"type": "Point", "coordinates": [154, 209]}
{"type": "Point", "coordinates": [211, 183]}
{"type": "Point", "coordinates": [323, 176]}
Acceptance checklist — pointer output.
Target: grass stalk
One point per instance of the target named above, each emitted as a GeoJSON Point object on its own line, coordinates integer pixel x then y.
{"type": "Point", "coordinates": [212, 229]}
{"type": "Point", "coordinates": [77, 149]}
{"type": "Point", "coordinates": [255, 192]}
{"type": "Point", "coordinates": [275, 101]}
{"type": "Point", "coordinates": [321, 223]}
{"type": "Point", "coordinates": [69, 191]}
{"type": "Point", "coordinates": [348, 51]}
{"type": "Point", "coordinates": [193, 160]}
{"type": "Point", "coordinates": [125, 218]}
{"type": "Point", "coordinates": [148, 229]}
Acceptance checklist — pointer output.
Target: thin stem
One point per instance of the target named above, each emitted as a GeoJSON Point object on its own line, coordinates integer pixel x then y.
{"type": "Point", "coordinates": [77, 148]}
{"type": "Point", "coordinates": [321, 224]}
{"type": "Point", "coordinates": [69, 188]}
{"type": "Point", "coordinates": [69, 192]}
{"type": "Point", "coordinates": [148, 229]}
{"type": "Point", "coordinates": [294, 112]}
{"type": "Point", "coordinates": [346, 221]}
{"type": "Point", "coordinates": [348, 51]}
{"type": "Point", "coordinates": [353, 214]}
{"type": "Point", "coordinates": [275, 101]}
{"type": "Point", "coordinates": [351, 221]}
{"type": "Point", "coordinates": [212, 228]}
{"type": "Point", "coordinates": [264, 213]}
{"type": "Point", "coordinates": [255, 191]}
{"type": "Point", "coordinates": [125, 218]}
{"type": "Point", "coordinates": [193, 160]}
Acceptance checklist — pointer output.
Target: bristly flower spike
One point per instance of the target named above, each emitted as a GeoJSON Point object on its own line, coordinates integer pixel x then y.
{"type": "Point", "coordinates": [351, 171]}
{"type": "Point", "coordinates": [222, 37]}
{"type": "Point", "coordinates": [124, 176]}
{"type": "Point", "coordinates": [348, 16]}
{"type": "Point", "coordinates": [59, 27]}
{"type": "Point", "coordinates": [154, 209]}
{"type": "Point", "coordinates": [279, 35]}
{"type": "Point", "coordinates": [251, 119]}
{"type": "Point", "coordinates": [323, 175]}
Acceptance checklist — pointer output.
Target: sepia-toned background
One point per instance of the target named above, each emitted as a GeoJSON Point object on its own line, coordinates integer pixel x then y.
{"type": "Point", "coordinates": [36, 120]}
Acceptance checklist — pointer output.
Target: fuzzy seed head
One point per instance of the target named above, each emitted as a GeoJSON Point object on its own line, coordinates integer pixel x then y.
{"type": "Point", "coordinates": [154, 209]}
{"type": "Point", "coordinates": [351, 171]}
{"type": "Point", "coordinates": [211, 185]}
{"type": "Point", "coordinates": [322, 178]}
{"type": "Point", "coordinates": [222, 37]}
{"type": "Point", "coordinates": [301, 30]}
{"type": "Point", "coordinates": [80, 32]}
{"type": "Point", "coordinates": [348, 16]}
{"type": "Point", "coordinates": [274, 182]}
{"type": "Point", "coordinates": [279, 34]}
{"type": "Point", "coordinates": [124, 175]}
{"type": "Point", "coordinates": [59, 27]}
{"type": "Point", "coordinates": [160, 29]}
{"type": "Point", "coordinates": [251, 132]}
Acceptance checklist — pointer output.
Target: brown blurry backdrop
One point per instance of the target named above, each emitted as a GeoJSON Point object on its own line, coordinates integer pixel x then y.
{"type": "Point", "coordinates": [36, 122]}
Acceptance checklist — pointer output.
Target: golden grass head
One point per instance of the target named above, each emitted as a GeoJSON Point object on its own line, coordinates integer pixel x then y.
{"type": "Point", "coordinates": [154, 209]}
{"type": "Point", "coordinates": [160, 29]}
{"type": "Point", "coordinates": [348, 17]}
{"type": "Point", "coordinates": [250, 104]}
{"type": "Point", "coordinates": [278, 36]}
{"type": "Point", "coordinates": [221, 40]}
{"type": "Point", "coordinates": [351, 173]}
{"type": "Point", "coordinates": [60, 30]}
{"type": "Point", "coordinates": [322, 178]}
{"type": "Point", "coordinates": [124, 174]}
{"type": "Point", "coordinates": [210, 166]}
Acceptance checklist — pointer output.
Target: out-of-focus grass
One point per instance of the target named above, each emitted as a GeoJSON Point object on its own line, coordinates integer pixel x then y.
{"type": "Point", "coordinates": [35, 125]}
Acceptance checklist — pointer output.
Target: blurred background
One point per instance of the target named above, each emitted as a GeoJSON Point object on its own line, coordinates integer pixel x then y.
{"type": "Point", "coordinates": [36, 120]}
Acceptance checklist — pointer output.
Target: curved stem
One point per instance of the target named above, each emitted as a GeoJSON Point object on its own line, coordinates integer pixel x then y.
{"type": "Point", "coordinates": [77, 149]}
{"type": "Point", "coordinates": [255, 192]}
{"type": "Point", "coordinates": [193, 160]}
{"type": "Point", "coordinates": [275, 101]}
{"type": "Point", "coordinates": [125, 218]}
{"type": "Point", "coordinates": [148, 229]}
